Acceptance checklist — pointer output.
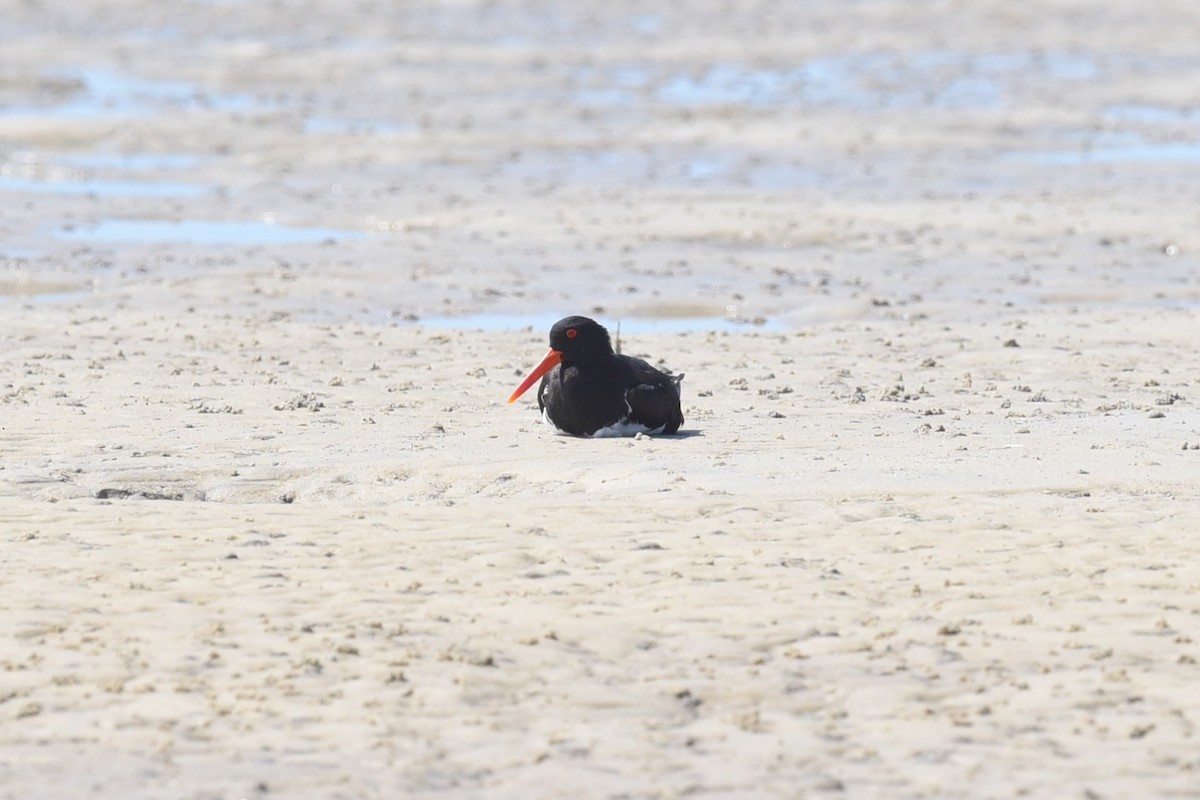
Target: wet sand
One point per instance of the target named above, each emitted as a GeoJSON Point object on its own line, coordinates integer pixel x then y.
{"type": "Point", "coordinates": [271, 529]}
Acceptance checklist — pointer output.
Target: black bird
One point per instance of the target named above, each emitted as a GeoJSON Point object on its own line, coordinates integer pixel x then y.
{"type": "Point", "coordinates": [588, 390]}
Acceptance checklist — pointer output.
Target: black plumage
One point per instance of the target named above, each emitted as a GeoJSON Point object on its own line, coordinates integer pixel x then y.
{"type": "Point", "coordinates": [589, 390]}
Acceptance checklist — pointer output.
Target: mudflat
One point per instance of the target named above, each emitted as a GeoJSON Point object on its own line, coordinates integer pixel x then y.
{"type": "Point", "coordinates": [268, 273]}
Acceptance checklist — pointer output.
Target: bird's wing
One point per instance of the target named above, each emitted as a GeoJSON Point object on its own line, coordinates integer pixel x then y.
{"type": "Point", "coordinates": [654, 399]}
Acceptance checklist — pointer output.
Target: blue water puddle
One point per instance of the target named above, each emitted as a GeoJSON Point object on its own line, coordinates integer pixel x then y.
{"type": "Point", "coordinates": [1113, 147]}
{"type": "Point", "coordinates": [729, 84]}
{"type": "Point", "coordinates": [1149, 114]}
{"type": "Point", "coordinates": [488, 321]}
{"type": "Point", "coordinates": [102, 187]}
{"type": "Point", "coordinates": [134, 162]}
{"type": "Point", "coordinates": [705, 168]}
{"type": "Point", "coordinates": [932, 79]}
{"type": "Point", "coordinates": [18, 252]}
{"type": "Point", "coordinates": [646, 23]}
{"type": "Point", "coordinates": [106, 93]}
{"type": "Point", "coordinates": [1165, 152]}
{"type": "Point", "coordinates": [196, 231]}
{"type": "Point", "coordinates": [73, 174]}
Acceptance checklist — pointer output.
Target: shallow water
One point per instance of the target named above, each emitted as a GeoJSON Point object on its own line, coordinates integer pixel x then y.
{"type": "Point", "coordinates": [1165, 152]}
{"type": "Point", "coordinates": [107, 93]}
{"type": "Point", "coordinates": [1115, 147]}
{"type": "Point", "coordinates": [873, 80]}
{"type": "Point", "coordinates": [629, 324]}
{"type": "Point", "coordinates": [520, 156]}
{"type": "Point", "coordinates": [131, 161]}
{"type": "Point", "coordinates": [75, 174]}
{"type": "Point", "coordinates": [103, 187]}
{"type": "Point", "coordinates": [1151, 114]}
{"type": "Point", "coordinates": [202, 231]}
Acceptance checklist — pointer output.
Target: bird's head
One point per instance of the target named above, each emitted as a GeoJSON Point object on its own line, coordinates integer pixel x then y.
{"type": "Point", "coordinates": [573, 340]}
{"type": "Point", "coordinates": [580, 338]}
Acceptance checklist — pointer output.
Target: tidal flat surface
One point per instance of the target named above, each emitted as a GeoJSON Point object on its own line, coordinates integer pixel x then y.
{"type": "Point", "coordinates": [269, 271]}
{"type": "Point", "coordinates": [799, 164]}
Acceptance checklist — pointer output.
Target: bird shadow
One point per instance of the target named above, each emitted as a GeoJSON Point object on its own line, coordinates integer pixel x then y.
{"type": "Point", "coordinates": [690, 433]}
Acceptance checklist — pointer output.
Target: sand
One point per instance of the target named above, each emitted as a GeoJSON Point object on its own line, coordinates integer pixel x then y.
{"type": "Point", "coordinates": [270, 529]}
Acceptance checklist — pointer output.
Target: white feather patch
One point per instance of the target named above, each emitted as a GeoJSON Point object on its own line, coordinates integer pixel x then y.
{"type": "Point", "coordinates": [619, 428]}
{"type": "Point", "coordinates": [625, 428]}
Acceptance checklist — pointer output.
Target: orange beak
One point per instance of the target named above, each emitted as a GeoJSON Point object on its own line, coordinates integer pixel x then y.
{"type": "Point", "coordinates": [552, 358]}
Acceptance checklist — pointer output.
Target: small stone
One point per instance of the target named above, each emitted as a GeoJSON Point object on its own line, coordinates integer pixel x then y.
{"type": "Point", "coordinates": [1140, 731]}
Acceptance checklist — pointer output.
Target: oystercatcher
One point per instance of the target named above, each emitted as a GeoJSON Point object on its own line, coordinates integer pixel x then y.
{"type": "Point", "coordinates": [588, 390]}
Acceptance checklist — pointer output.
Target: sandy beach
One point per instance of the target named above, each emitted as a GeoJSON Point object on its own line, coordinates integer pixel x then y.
{"type": "Point", "coordinates": [269, 272]}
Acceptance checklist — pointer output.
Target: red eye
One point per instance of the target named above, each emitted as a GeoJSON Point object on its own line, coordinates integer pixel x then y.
{"type": "Point", "coordinates": [572, 333]}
